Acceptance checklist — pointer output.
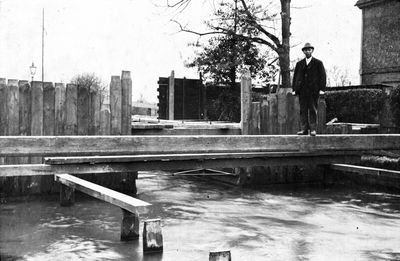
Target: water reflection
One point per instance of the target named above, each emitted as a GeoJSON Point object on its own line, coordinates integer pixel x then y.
{"type": "Point", "coordinates": [198, 216]}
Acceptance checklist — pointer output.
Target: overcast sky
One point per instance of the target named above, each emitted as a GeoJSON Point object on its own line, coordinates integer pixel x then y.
{"type": "Point", "coordinates": [106, 37]}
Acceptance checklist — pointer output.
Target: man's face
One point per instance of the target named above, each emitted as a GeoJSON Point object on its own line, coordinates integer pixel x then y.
{"type": "Point", "coordinates": [308, 52]}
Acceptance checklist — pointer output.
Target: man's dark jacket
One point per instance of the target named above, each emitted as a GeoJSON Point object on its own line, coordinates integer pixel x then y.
{"type": "Point", "coordinates": [309, 79]}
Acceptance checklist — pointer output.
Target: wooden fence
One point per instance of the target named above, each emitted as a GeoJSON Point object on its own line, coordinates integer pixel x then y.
{"type": "Point", "coordinates": [43, 109]}
{"type": "Point", "coordinates": [279, 113]}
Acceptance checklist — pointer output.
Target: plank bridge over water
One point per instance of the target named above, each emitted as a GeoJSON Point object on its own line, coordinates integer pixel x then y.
{"type": "Point", "coordinates": [108, 154]}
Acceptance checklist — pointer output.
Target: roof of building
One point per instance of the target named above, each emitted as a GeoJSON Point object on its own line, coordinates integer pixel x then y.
{"type": "Point", "coordinates": [365, 3]}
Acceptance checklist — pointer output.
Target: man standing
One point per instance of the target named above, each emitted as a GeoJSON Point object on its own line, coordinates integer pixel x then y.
{"type": "Point", "coordinates": [309, 81]}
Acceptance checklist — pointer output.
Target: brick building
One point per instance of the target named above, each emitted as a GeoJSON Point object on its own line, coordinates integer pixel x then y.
{"type": "Point", "coordinates": [380, 51]}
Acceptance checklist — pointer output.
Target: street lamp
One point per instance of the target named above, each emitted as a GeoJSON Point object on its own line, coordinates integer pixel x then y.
{"type": "Point", "coordinates": [32, 68]}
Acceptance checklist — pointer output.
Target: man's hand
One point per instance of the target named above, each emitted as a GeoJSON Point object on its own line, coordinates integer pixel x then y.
{"type": "Point", "coordinates": [321, 92]}
{"type": "Point", "coordinates": [293, 93]}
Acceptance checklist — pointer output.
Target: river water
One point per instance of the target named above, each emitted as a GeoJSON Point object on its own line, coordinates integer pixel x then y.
{"type": "Point", "coordinates": [199, 216]}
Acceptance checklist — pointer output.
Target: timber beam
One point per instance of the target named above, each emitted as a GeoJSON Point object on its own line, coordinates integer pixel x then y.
{"type": "Point", "coordinates": [94, 165]}
{"type": "Point", "coordinates": [135, 145]}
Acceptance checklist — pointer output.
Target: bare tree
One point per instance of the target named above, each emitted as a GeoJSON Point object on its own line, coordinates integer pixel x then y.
{"type": "Point", "coordinates": [93, 83]}
{"type": "Point", "coordinates": [338, 76]}
{"type": "Point", "coordinates": [255, 17]}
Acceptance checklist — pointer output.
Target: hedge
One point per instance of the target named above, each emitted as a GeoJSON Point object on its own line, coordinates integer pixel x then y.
{"type": "Point", "coordinates": [395, 105]}
{"type": "Point", "coordinates": [354, 105]}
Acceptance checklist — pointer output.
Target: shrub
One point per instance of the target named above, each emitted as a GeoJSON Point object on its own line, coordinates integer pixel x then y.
{"type": "Point", "coordinates": [354, 105]}
{"type": "Point", "coordinates": [395, 105]}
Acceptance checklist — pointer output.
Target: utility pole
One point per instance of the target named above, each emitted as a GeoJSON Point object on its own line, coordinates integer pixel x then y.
{"type": "Point", "coordinates": [43, 48]}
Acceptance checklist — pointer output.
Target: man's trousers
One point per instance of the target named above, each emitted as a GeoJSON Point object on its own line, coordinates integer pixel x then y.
{"type": "Point", "coordinates": [308, 111]}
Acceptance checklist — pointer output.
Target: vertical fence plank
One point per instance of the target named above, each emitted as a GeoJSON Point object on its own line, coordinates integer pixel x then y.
{"type": "Point", "coordinates": [48, 109]}
{"type": "Point", "coordinates": [71, 98]}
{"type": "Point", "coordinates": [245, 95]}
{"type": "Point", "coordinates": [105, 120]}
{"type": "Point", "coordinates": [13, 108]}
{"type": "Point", "coordinates": [3, 107]}
{"type": "Point", "coordinates": [255, 118]}
{"type": "Point", "coordinates": [321, 120]}
{"type": "Point", "coordinates": [83, 110]}
{"type": "Point", "coordinates": [126, 86]}
{"type": "Point", "coordinates": [13, 128]}
{"type": "Point", "coordinates": [116, 105]}
{"type": "Point", "coordinates": [94, 111]}
{"type": "Point", "coordinates": [59, 107]}
{"type": "Point", "coordinates": [47, 182]}
{"type": "Point", "coordinates": [273, 115]}
{"type": "Point", "coordinates": [291, 127]}
{"type": "Point", "coordinates": [24, 125]}
{"type": "Point", "coordinates": [264, 117]}
{"type": "Point", "coordinates": [171, 96]}
{"type": "Point", "coordinates": [3, 126]}
{"type": "Point", "coordinates": [25, 104]}
{"type": "Point", "coordinates": [36, 126]}
{"type": "Point", "coordinates": [282, 111]}
{"type": "Point", "coordinates": [37, 109]}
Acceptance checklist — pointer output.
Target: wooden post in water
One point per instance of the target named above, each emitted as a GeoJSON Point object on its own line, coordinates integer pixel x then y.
{"type": "Point", "coordinates": [171, 96]}
{"type": "Point", "coordinates": [115, 105]}
{"type": "Point", "coordinates": [152, 236]}
{"type": "Point", "coordinates": [71, 98]}
{"type": "Point", "coordinates": [59, 107]}
{"type": "Point", "coordinates": [126, 86]}
{"type": "Point", "coordinates": [67, 196]}
{"type": "Point", "coordinates": [245, 97]}
{"type": "Point", "coordinates": [129, 225]}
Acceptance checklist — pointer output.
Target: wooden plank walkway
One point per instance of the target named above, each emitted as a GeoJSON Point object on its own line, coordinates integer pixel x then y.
{"type": "Point", "coordinates": [121, 200]}
{"type": "Point", "coordinates": [136, 145]}
{"type": "Point", "coordinates": [129, 163]}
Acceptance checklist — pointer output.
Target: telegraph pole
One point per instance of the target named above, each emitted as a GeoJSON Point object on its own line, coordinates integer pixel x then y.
{"type": "Point", "coordinates": [43, 48]}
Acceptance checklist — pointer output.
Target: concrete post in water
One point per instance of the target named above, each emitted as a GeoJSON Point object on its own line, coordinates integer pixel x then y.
{"type": "Point", "coordinates": [152, 236]}
{"type": "Point", "coordinates": [245, 97]}
{"type": "Point", "coordinates": [171, 96]}
{"type": "Point", "coordinates": [126, 85]}
{"type": "Point", "coordinates": [115, 105]}
{"type": "Point", "coordinates": [220, 255]}
{"type": "Point", "coordinates": [67, 196]}
{"type": "Point", "coordinates": [129, 225]}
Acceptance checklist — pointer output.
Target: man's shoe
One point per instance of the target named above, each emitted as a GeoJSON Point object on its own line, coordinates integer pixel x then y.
{"type": "Point", "coordinates": [313, 133]}
{"type": "Point", "coordinates": [302, 132]}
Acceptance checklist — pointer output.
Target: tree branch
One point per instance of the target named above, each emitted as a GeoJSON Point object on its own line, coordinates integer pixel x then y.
{"type": "Point", "coordinates": [252, 20]}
